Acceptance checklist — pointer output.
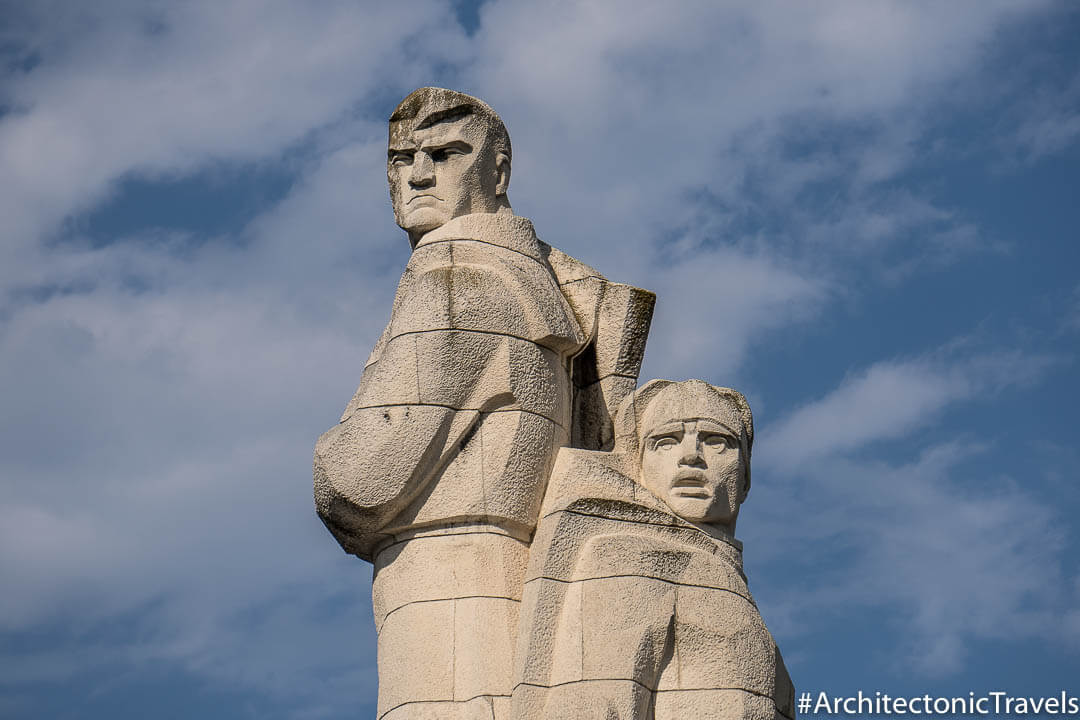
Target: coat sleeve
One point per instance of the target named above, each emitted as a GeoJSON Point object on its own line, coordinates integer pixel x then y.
{"type": "Point", "coordinates": [443, 362]}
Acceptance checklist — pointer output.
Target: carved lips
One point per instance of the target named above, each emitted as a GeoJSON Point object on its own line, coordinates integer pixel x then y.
{"type": "Point", "coordinates": [691, 483]}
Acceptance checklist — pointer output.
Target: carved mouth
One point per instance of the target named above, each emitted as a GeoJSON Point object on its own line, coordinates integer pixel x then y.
{"type": "Point", "coordinates": [689, 478]}
{"type": "Point", "coordinates": [690, 483]}
{"type": "Point", "coordinates": [420, 197]}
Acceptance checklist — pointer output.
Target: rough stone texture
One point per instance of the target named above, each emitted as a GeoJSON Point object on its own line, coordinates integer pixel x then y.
{"type": "Point", "coordinates": [606, 371]}
{"type": "Point", "coordinates": [438, 466]}
{"type": "Point", "coordinates": [630, 610]}
{"type": "Point", "coordinates": [534, 558]}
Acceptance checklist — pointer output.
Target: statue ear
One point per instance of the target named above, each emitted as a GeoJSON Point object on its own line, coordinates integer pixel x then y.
{"type": "Point", "coordinates": [745, 490]}
{"type": "Point", "coordinates": [502, 170]}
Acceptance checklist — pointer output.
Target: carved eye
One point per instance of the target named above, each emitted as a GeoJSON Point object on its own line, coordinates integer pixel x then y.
{"type": "Point", "coordinates": [716, 442]}
{"type": "Point", "coordinates": [665, 442]}
{"type": "Point", "coordinates": [442, 154]}
{"type": "Point", "coordinates": [400, 159]}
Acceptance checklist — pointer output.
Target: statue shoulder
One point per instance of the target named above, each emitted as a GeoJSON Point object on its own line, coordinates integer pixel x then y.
{"type": "Point", "coordinates": [581, 285]}
{"type": "Point", "coordinates": [467, 284]}
{"type": "Point", "coordinates": [615, 319]}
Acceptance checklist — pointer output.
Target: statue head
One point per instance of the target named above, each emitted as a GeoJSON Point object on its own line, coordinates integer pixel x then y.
{"type": "Point", "coordinates": [692, 441]}
{"type": "Point", "coordinates": [448, 155]}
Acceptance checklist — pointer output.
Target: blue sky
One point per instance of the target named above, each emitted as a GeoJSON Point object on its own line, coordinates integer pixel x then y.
{"type": "Point", "coordinates": [862, 214]}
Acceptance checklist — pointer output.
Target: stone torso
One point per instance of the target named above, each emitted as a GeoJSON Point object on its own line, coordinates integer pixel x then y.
{"type": "Point", "coordinates": [465, 398]}
{"type": "Point", "coordinates": [477, 294]}
{"type": "Point", "coordinates": [631, 613]}
{"type": "Point", "coordinates": [438, 467]}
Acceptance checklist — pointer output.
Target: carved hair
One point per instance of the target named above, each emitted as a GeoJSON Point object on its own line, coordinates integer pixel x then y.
{"type": "Point", "coordinates": [427, 106]}
{"type": "Point", "coordinates": [709, 399]}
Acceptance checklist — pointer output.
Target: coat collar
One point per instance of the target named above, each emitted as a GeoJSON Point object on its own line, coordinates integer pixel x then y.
{"type": "Point", "coordinates": [505, 230]}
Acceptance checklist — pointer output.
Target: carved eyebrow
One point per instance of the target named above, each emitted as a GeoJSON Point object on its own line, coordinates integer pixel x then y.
{"type": "Point", "coordinates": [452, 145]}
{"type": "Point", "coordinates": [668, 429]}
{"type": "Point", "coordinates": [715, 426]}
{"type": "Point", "coordinates": [441, 116]}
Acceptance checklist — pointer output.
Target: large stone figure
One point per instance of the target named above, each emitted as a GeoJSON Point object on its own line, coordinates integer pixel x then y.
{"type": "Point", "coordinates": [635, 604]}
{"type": "Point", "coordinates": [499, 351]}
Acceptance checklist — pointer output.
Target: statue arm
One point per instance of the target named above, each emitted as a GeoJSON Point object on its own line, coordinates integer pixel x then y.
{"type": "Point", "coordinates": [417, 402]}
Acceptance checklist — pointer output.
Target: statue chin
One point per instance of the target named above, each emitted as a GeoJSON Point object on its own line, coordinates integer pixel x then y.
{"type": "Point", "coordinates": [422, 220]}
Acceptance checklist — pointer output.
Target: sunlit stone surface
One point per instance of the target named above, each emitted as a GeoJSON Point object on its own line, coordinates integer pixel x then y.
{"type": "Point", "coordinates": [532, 559]}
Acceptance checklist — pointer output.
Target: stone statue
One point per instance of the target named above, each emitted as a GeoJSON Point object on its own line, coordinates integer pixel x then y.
{"type": "Point", "coordinates": [499, 351]}
{"type": "Point", "coordinates": [635, 603]}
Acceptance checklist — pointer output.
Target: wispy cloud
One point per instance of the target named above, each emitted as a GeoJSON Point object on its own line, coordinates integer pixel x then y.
{"type": "Point", "coordinates": [161, 392]}
{"type": "Point", "coordinates": [1049, 119]}
{"type": "Point", "coordinates": [165, 89]}
{"type": "Point", "coordinates": [713, 304]}
{"type": "Point", "coordinates": [890, 399]}
{"type": "Point", "coordinates": [959, 556]}
{"type": "Point", "coordinates": [727, 115]}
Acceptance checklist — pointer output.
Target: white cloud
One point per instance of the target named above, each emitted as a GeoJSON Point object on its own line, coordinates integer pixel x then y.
{"type": "Point", "coordinates": [1047, 122]}
{"type": "Point", "coordinates": [959, 555]}
{"type": "Point", "coordinates": [641, 119]}
{"type": "Point", "coordinates": [890, 399]}
{"type": "Point", "coordinates": [951, 555]}
{"type": "Point", "coordinates": [713, 304]}
{"type": "Point", "coordinates": [155, 442]}
{"type": "Point", "coordinates": [156, 463]}
{"type": "Point", "coordinates": [166, 88]}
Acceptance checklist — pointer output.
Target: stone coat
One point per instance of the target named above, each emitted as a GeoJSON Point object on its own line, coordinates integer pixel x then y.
{"type": "Point", "coordinates": [466, 396]}
{"type": "Point", "coordinates": [500, 350]}
{"type": "Point", "coordinates": [630, 612]}
{"type": "Point", "coordinates": [436, 471]}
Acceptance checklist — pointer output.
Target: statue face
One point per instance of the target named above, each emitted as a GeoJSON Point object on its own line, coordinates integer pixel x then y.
{"type": "Point", "coordinates": [440, 172]}
{"type": "Point", "coordinates": [697, 468]}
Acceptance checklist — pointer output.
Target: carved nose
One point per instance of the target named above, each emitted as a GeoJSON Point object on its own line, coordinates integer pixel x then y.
{"type": "Point", "coordinates": [422, 173]}
{"type": "Point", "coordinates": [691, 452]}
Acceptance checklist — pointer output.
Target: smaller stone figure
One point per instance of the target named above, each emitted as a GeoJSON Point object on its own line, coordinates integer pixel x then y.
{"type": "Point", "coordinates": [635, 603]}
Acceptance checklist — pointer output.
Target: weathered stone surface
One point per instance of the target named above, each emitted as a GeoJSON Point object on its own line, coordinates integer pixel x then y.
{"type": "Point", "coordinates": [547, 542]}
{"type": "Point", "coordinates": [635, 602]}
{"type": "Point", "coordinates": [593, 426]}
{"type": "Point", "coordinates": [475, 561]}
{"type": "Point", "coordinates": [437, 469]}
